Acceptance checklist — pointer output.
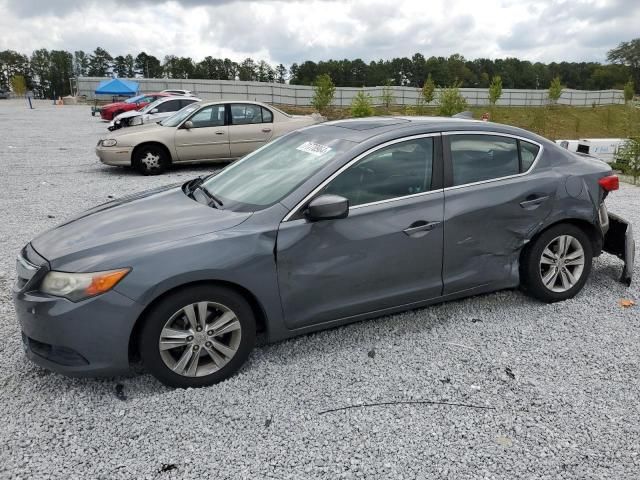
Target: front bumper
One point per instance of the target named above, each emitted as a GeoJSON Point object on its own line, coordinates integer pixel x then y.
{"type": "Point", "coordinates": [619, 241]}
{"type": "Point", "coordinates": [117, 156]}
{"type": "Point", "coordinates": [87, 338]}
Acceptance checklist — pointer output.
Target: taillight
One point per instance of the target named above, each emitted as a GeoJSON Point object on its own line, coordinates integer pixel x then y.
{"type": "Point", "coordinates": [609, 183]}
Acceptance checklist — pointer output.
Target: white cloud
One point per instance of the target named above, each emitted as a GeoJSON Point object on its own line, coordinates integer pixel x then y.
{"type": "Point", "coordinates": [294, 31]}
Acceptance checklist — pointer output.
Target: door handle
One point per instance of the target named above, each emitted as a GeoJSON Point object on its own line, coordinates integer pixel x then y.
{"type": "Point", "coordinates": [420, 226]}
{"type": "Point", "coordinates": [534, 202]}
{"type": "Point", "coordinates": [266, 130]}
{"type": "Point", "coordinates": [219, 133]}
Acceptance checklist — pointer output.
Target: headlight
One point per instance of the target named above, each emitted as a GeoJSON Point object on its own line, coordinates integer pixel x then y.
{"type": "Point", "coordinates": [78, 286]}
{"type": "Point", "coordinates": [110, 142]}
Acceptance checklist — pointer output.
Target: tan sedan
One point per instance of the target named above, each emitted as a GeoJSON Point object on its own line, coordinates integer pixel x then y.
{"type": "Point", "coordinates": [201, 132]}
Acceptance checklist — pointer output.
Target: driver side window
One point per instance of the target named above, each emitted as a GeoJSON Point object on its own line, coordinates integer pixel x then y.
{"type": "Point", "coordinates": [212, 116]}
{"type": "Point", "coordinates": [394, 171]}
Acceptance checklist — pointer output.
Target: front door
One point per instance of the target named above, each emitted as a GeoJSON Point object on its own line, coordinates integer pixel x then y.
{"type": "Point", "coordinates": [386, 253]}
{"type": "Point", "coordinates": [495, 198]}
{"type": "Point", "coordinates": [251, 127]}
{"type": "Point", "coordinates": [207, 139]}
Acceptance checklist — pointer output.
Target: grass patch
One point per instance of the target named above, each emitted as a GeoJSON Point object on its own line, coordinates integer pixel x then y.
{"type": "Point", "coordinates": [555, 122]}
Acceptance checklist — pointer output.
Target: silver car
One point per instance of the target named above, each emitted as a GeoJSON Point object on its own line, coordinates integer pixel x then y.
{"type": "Point", "coordinates": [201, 132]}
{"type": "Point", "coordinates": [327, 225]}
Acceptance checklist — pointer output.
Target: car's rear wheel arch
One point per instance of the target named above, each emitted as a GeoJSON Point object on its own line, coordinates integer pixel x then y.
{"type": "Point", "coordinates": [588, 228]}
{"type": "Point", "coordinates": [256, 307]}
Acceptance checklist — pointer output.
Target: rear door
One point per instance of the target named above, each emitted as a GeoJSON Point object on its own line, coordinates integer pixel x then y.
{"type": "Point", "coordinates": [494, 198]}
{"type": "Point", "coordinates": [250, 127]}
{"type": "Point", "coordinates": [208, 139]}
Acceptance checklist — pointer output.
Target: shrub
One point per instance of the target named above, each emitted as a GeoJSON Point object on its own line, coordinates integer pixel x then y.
{"type": "Point", "coordinates": [361, 106]}
{"type": "Point", "coordinates": [451, 101]}
{"type": "Point", "coordinates": [19, 85]}
{"type": "Point", "coordinates": [629, 90]}
{"type": "Point", "coordinates": [495, 90]}
{"type": "Point", "coordinates": [428, 90]}
{"type": "Point", "coordinates": [323, 92]}
{"type": "Point", "coordinates": [628, 158]}
{"type": "Point", "coordinates": [387, 98]}
{"type": "Point", "coordinates": [555, 90]}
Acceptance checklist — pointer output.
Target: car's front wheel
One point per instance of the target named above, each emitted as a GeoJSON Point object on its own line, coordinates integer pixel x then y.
{"type": "Point", "coordinates": [557, 264]}
{"type": "Point", "coordinates": [150, 160]}
{"type": "Point", "coordinates": [197, 337]}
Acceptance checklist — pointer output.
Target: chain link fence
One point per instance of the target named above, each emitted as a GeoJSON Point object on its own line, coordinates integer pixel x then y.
{"type": "Point", "coordinates": [300, 95]}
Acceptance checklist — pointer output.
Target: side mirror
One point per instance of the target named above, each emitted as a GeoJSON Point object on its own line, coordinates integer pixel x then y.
{"type": "Point", "coordinates": [327, 207]}
{"type": "Point", "coordinates": [188, 124]}
{"type": "Point", "coordinates": [155, 110]}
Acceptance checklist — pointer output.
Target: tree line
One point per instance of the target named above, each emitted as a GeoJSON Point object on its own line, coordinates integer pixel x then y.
{"type": "Point", "coordinates": [48, 72]}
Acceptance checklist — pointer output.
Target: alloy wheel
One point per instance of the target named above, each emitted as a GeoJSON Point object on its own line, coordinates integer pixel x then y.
{"type": "Point", "coordinates": [562, 263]}
{"type": "Point", "coordinates": [151, 160]}
{"type": "Point", "coordinates": [199, 339]}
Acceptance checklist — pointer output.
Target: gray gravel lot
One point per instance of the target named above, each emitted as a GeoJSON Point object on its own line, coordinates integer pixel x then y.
{"type": "Point", "coordinates": [561, 382]}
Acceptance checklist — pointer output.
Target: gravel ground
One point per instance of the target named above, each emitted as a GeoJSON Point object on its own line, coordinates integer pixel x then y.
{"type": "Point", "coordinates": [559, 383]}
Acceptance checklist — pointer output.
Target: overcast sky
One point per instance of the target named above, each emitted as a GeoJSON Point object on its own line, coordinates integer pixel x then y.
{"type": "Point", "coordinates": [293, 31]}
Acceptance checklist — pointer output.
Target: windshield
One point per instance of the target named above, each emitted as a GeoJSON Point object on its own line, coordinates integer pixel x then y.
{"type": "Point", "coordinates": [175, 119]}
{"type": "Point", "coordinates": [269, 174]}
{"type": "Point", "coordinates": [134, 99]}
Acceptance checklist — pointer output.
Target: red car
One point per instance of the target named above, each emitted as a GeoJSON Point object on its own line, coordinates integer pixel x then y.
{"type": "Point", "coordinates": [134, 103]}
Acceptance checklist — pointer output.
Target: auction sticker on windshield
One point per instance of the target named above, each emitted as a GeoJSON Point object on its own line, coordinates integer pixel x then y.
{"type": "Point", "coordinates": [314, 148]}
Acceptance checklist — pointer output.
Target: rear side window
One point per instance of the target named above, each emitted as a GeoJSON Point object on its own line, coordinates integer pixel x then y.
{"type": "Point", "coordinates": [476, 158]}
{"type": "Point", "coordinates": [247, 113]}
{"type": "Point", "coordinates": [528, 153]}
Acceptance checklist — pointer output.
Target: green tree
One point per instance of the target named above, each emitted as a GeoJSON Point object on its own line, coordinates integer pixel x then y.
{"type": "Point", "coordinates": [451, 101]}
{"type": "Point", "coordinates": [80, 63]}
{"type": "Point", "coordinates": [387, 98]}
{"type": "Point", "coordinates": [629, 90]}
{"type": "Point", "coordinates": [627, 53]}
{"type": "Point", "coordinates": [362, 105]}
{"type": "Point", "coordinates": [323, 92]}
{"type": "Point", "coordinates": [495, 90]}
{"type": "Point", "coordinates": [555, 90]}
{"type": "Point", "coordinates": [100, 63]}
{"type": "Point", "coordinates": [281, 73]}
{"type": "Point", "coordinates": [628, 158]}
{"type": "Point", "coordinates": [428, 90]}
{"type": "Point", "coordinates": [19, 85]}
{"type": "Point", "coordinates": [247, 70]}
{"type": "Point", "coordinates": [148, 66]}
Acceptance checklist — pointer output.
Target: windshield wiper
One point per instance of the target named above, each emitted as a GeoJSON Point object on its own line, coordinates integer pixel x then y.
{"type": "Point", "coordinates": [196, 184]}
{"type": "Point", "coordinates": [211, 196]}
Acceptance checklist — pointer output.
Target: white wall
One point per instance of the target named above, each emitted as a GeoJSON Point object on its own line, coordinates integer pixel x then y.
{"type": "Point", "coordinates": [301, 94]}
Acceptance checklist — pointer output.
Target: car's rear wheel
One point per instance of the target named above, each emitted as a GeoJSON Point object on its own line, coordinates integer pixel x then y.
{"type": "Point", "coordinates": [197, 337]}
{"type": "Point", "coordinates": [150, 160]}
{"type": "Point", "coordinates": [557, 264]}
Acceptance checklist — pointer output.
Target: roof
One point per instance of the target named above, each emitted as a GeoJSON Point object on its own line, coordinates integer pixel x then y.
{"type": "Point", "coordinates": [362, 129]}
{"type": "Point", "coordinates": [117, 86]}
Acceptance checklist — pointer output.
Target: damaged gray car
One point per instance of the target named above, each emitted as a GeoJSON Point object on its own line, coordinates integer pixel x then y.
{"type": "Point", "coordinates": [327, 225]}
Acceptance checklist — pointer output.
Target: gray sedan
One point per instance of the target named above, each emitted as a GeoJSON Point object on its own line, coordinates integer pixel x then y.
{"type": "Point", "coordinates": [327, 225]}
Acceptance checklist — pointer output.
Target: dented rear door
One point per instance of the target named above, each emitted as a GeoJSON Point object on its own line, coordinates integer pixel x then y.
{"type": "Point", "coordinates": [487, 222]}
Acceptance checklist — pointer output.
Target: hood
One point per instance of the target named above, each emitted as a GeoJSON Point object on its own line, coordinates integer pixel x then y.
{"type": "Point", "coordinates": [123, 132]}
{"type": "Point", "coordinates": [129, 114]}
{"type": "Point", "coordinates": [110, 235]}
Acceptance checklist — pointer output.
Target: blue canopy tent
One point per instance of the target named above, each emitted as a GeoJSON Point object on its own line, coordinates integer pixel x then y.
{"type": "Point", "coordinates": [116, 87]}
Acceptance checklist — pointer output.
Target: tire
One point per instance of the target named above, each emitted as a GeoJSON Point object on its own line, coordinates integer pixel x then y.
{"type": "Point", "coordinates": [556, 276]}
{"type": "Point", "coordinates": [217, 351]}
{"type": "Point", "coordinates": [150, 160]}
